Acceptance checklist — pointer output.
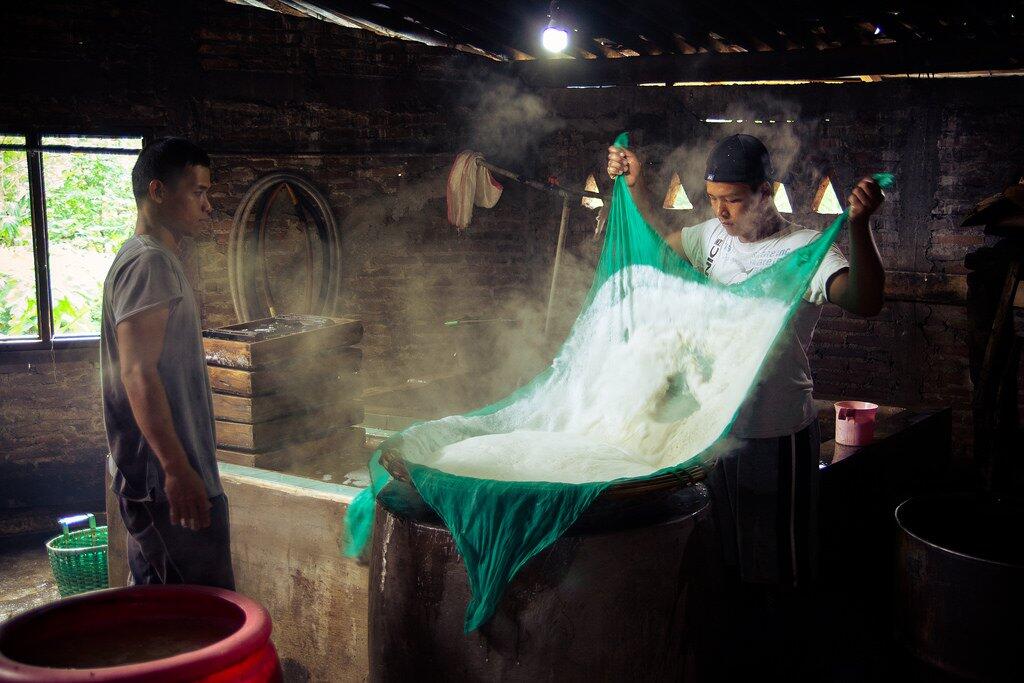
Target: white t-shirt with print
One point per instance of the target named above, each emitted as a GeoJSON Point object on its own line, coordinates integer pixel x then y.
{"type": "Point", "coordinates": [780, 403]}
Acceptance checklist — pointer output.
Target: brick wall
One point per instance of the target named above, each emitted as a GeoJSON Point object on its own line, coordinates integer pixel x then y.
{"type": "Point", "coordinates": [404, 269]}
{"type": "Point", "coordinates": [51, 437]}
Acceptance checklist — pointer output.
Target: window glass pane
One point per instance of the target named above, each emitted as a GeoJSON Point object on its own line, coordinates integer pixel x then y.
{"type": "Point", "coordinates": [18, 315]}
{"type": "Point", "coordinates": [12, 140]}
{"type": "Point", "coordinates": [90, 212]}
{"type": "Point", "coordinates": [90, 141]}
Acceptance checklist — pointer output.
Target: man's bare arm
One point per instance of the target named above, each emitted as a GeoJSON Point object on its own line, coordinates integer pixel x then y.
{"type": "Point", "coordinates": [140, 341]}
{"type": "Point", "coordinates": [861, 289]}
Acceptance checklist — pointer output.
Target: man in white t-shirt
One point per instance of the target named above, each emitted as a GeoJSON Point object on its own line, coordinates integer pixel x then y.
{"type": "Point", "coordinates": [765, 482]}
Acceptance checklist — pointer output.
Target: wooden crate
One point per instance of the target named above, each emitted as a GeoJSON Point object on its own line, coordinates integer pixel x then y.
{"type": "Point", "coordinates": [344, 443]}
{"type": "Point", "coordinates": [259, 343]}
{"type": "Point", "coordinates": [264, 436]}
{"type": "Point", "coordinates": [304, 374]}
{"type": "Point", "coordinates": [261, 408]}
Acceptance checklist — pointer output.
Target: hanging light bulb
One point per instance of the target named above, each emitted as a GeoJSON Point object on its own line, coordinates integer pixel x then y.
{"type": "Point", "coordinates": [555, 38]}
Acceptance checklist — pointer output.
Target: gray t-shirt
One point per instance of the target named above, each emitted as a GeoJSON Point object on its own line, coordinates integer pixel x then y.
{"type": "Point", "coordinates": [146, 274]}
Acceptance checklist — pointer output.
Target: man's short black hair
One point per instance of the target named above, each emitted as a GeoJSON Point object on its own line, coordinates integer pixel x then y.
{"type": "Point", "coordinates": [165, 159]}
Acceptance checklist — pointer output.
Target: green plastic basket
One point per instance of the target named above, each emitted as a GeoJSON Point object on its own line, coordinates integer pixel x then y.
{"type": "Point", "coordinates": [79, 558]}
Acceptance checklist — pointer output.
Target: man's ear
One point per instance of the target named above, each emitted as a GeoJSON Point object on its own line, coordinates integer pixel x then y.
{"type": "Point", "coordinates": [156, 191]}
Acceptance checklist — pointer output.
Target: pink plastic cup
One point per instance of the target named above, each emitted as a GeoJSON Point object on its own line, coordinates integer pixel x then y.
{"type": "Point", "coordinates": [855, 422]}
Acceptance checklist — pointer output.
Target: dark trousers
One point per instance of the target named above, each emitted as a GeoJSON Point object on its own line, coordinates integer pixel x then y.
{"type": "Point", "coordinates": [163, 553]}
{"type": "Point", "coordinates": [764, 496]}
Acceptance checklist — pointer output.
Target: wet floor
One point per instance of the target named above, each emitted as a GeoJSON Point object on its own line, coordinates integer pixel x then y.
{"type": "Point", "coordinates": [25, 578]}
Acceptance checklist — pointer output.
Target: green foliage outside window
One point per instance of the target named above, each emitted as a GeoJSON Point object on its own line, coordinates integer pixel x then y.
{"type": "Point", "coordinates": [90, 211]}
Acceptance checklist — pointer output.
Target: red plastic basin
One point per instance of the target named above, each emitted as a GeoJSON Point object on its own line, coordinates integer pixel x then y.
{"type": "Point", "coordinates": [151, 633]}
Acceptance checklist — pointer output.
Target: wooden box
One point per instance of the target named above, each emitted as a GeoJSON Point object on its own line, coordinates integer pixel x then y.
{"type": "Point", "coordinates": [259, 343]}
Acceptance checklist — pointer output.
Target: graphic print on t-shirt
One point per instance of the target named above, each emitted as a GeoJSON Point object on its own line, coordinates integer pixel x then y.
{"type": "Point", "coordinates": [712, 254]}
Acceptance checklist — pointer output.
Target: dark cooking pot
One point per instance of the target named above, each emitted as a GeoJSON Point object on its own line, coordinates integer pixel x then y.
{"type": "Point", "coordinates": [960, 584]}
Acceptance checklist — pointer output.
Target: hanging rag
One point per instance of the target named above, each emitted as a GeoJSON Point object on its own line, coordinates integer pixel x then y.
{"type": "Point", "coordinates": [470, 184]}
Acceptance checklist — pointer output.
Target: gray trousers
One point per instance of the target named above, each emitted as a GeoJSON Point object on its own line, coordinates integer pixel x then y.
{"type": "Point", "coordinates": [765, 498]}
{"type": "Point", "coordinates": [163, 553]}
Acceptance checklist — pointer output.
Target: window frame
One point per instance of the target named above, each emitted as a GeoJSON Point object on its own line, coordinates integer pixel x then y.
{"type": "Point", "coordinates": [34, 150]}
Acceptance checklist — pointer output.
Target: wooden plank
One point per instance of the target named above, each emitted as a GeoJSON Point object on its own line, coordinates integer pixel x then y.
{"type": "Point", "coordinates": [464, 24]}
{"type": "Point", "coordinates": [931, 288]}
{"type": "Point", "coordinates": [417, 26]}
{"type": "Point", "coordinates": [265, 436]}
{"type": "Point", "coordinates": [805, 64]}
{"type": "Point", "coordinates": [303, 375]}
{"type": "Point", "coordinates": [926, 287]}
{"type": "Point", "coordinates": [791, 32]}
{"type": "Point", "coordinates": [252, 409]}
{"type": "Point", "coordinates": [247, 409]}
{"type": "Point", "coordinates": [253, 355]}
{"type": "Point", "coordinates": [347, 442]}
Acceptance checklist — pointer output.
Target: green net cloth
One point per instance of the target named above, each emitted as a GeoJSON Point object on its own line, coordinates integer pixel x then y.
{"type": "Point", "coordinates": [651, 376]}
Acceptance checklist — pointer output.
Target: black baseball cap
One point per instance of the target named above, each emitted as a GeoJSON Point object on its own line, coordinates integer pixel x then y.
{"type": "Point", "coordinates": [739, 159]}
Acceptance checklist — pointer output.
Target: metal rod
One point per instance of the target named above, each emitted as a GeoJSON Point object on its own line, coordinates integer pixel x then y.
{"type": "Point", "coordinates": [40, 242]}
{"type": "Point", "coordinates": [70, 149]}
{"type": "Point", "coordinates": [558, 261]}
{"type": "Point", "coordinates": [537, 185]}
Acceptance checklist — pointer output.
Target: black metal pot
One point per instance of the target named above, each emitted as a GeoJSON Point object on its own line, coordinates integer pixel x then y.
{"type": "Point", "coordinates": [960, 584]}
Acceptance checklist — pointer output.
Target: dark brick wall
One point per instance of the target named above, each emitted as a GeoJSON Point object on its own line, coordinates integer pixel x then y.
{"type": "Point", "coordinates": [51, 435]}
{"type": "Point", "coordinates": [405, 270]}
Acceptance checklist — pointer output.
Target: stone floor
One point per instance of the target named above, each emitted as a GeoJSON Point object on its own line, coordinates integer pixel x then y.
{"type": "Point", "coordinates": [25, 578]}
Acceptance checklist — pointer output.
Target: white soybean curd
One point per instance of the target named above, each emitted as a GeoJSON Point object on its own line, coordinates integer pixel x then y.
{"type": "Point", "coordinates": [601, 414]}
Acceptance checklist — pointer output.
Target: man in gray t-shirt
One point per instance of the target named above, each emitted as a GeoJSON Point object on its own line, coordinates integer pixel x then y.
{"type": "Point", "coordinates": [157, 405]}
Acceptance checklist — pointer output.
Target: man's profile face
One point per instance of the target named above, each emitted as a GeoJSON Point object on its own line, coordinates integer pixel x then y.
{"type": "Point", "coordinates": [737, 206]}
{"type": "Point", "coordinates": [184, 204]}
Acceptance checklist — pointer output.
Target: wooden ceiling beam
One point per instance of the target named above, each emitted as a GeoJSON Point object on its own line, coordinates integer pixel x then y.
{"type": "Point", "coordinates": [468, 19]}
{"type": "Point", "coordinates": [771, 31]}
{"type": "Point", "coordinates": [390, 20]}
{"type": "Point", "coordinates": [694, 32]}
{"type": "Point", "coordinates": [713, 22]}
{"type": "Point", "coordinates": [663, 21]}
{"type": "Point", "coordinates": [393, 18]}
{"type": "Point", "coordinates": [753, 24]}
{"type": "Point", "coordinates": [892, 28]}
{"type": "Point", "coordinates": [598, 25]}
{"type": "Point", "coordinates": [791, 65]}
{"type": "Point", "coordinates": [633, 20]}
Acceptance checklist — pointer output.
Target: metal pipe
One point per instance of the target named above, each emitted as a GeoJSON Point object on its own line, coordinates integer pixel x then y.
{"type": "Point", "coordinates": [558, 261]}
{"type": "Point", "coordinates": [537, 185]}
